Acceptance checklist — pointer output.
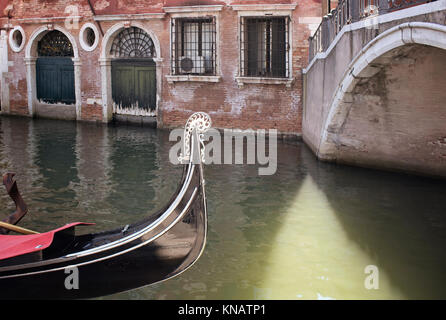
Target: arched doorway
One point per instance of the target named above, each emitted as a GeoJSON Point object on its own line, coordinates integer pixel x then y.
{"type": "Point", "coordinates": [36, 107]}
{"type": "Point", "coordinates": [133, 73]}
{"type": "Point", "coordinates": [55, 69]}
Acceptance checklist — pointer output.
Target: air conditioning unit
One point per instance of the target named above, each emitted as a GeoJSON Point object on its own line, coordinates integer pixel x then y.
{"type": "Point", "coordinates": [192, 65]}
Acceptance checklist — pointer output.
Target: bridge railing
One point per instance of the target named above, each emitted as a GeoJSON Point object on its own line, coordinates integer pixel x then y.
{"type": "Point", "coordinates": [349, 11]}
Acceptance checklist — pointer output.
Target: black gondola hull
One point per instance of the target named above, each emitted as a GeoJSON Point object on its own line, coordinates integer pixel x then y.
{"type": "Point", "coordinates": [144, 254]}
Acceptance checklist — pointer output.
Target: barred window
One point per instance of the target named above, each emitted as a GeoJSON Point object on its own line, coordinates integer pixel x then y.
{"type": "Point", "coordinates": [133, 42]}
{"type": "Point", "coordinates": [54, 43]}
{"type": "Point", "coordinates": [193, 46]}
{"type": "Point", "coordinates": [264, 47]}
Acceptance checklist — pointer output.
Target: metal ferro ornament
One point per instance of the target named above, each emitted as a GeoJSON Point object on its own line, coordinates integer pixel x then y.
{"type": "Point", "coordinates": [200, 122]}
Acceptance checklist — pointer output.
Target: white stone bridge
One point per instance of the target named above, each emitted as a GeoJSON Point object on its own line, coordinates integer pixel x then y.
{"type": "Point", "coordinates": [375, 86]}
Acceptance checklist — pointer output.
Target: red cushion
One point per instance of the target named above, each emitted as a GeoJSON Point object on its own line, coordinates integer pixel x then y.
{"type": "Point", "coordinates": [15, 245]}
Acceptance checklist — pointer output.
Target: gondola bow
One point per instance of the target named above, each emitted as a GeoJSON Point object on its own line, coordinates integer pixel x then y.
{"type": "Point", "coordinates": [156, 249]}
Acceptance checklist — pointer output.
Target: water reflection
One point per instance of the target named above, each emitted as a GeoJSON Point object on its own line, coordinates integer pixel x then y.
{"type": "Point", "coordinates": [398, 221]}
{"type": "Point", "coordinates": [93, 164]}
{"type": "Point", "coordinates": [306, 232]}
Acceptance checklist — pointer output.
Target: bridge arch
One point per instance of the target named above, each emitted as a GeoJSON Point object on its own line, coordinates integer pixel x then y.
{"type": "Point", "coordinates": [366, 64]}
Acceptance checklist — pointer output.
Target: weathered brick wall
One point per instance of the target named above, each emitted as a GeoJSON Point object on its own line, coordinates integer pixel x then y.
{"type": "Point", "coordinates": [250, 106]}
{"type": "Point", "coordinates": [90, 75]}
{"type": "Point", "coordinates": [90, 84]}
{"type": "Point", "coordinates": [389, 128]}
{"type": "Point", "coordinates": [16, 80]}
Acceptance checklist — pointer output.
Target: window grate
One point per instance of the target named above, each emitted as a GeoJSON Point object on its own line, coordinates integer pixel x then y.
{"type": "Point", "coordinates": [90, 37]}
{"type": "Point", "coordinates": [133, 42]}
{"type": "Point", "coordinates": [193, 46]}
{"type": "Point", "coordinates": [54, 44]}
{"type": "Point", "coordinates": [264, 47]}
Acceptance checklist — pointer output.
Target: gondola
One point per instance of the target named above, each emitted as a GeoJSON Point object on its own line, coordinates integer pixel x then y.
{"type": "Point", "coordinates": [60, 264]}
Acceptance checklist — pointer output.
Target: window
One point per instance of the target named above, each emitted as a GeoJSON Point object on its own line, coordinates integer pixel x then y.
{"type": "Point", "coordinates": [193, 46]}
{"type": "Point", "coordinates": [264, 47]}
{"type": "Point", "coordinates": [88, 37]}
{"type": "Point", "coordinates": [55, 44]}
{"type": "Point", "coordinates": [133, 42]}
{"type": "Point", "coordinates": [17, 39]}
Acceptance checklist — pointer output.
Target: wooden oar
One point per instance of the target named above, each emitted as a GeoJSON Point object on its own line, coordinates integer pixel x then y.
{"type": "Point", "coordinates": [17, 229]}
{"type": "Point", "coordinates": [20, 206]}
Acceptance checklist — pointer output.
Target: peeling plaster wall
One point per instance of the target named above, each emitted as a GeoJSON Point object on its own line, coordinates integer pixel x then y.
{"type": "Point", "coordinates": [4, 88]}
{"type": "Point", "coordinates": [251, 106]}
{"type": "Point", "coordinates": [16, 82]}
{"type": "Point", "coordinates": [398, 117]}
{"type": "Point", "coordinates": [373, 123]}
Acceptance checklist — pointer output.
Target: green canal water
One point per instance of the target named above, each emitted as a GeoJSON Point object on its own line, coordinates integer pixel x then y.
{"type": "Point", "coordinates": [307, 232]}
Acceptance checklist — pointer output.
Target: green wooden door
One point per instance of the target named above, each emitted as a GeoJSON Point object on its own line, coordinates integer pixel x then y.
{"type": "Point", "coordinates": [134, 84]}
{"type": "Point", "coordinates": [55, 80]}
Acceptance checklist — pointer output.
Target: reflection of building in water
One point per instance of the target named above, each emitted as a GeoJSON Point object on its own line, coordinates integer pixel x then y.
{"type": "Point", "coordinates": [93, 165]}
{"type": "Point", "coordinates": [18, 151]}
{"type": "Point", "coordinates": [15, 146]}
{"type": "Point", "coordinates": [18, 155]}
{"type": "Point", "coordinates": [135, 177]}
{"type": "Point", "coordinates": [78, 171]}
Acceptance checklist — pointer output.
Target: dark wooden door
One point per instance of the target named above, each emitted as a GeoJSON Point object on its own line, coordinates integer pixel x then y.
{"type": "Point", "coordinates": [55, 80]}
{"type": "Point", "coordinates": [134, 84]}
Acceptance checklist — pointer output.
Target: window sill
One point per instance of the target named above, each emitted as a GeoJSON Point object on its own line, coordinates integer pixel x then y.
{"type": "Point", "coordinates": [260, 80]}
{"type": "Point", "coordinates": [191, 78]}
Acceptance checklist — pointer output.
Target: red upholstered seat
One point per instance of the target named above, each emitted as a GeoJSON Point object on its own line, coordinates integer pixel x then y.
{"type": "Point", "coordinates": [15, 245]}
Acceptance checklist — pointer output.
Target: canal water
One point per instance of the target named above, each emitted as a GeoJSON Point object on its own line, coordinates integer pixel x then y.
{"type": "Point", "coordinates": [308, 232]}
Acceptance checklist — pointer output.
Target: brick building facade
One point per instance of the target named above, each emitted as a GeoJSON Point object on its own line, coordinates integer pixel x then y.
{"type": "Point", "coordinates": [239, 60]}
